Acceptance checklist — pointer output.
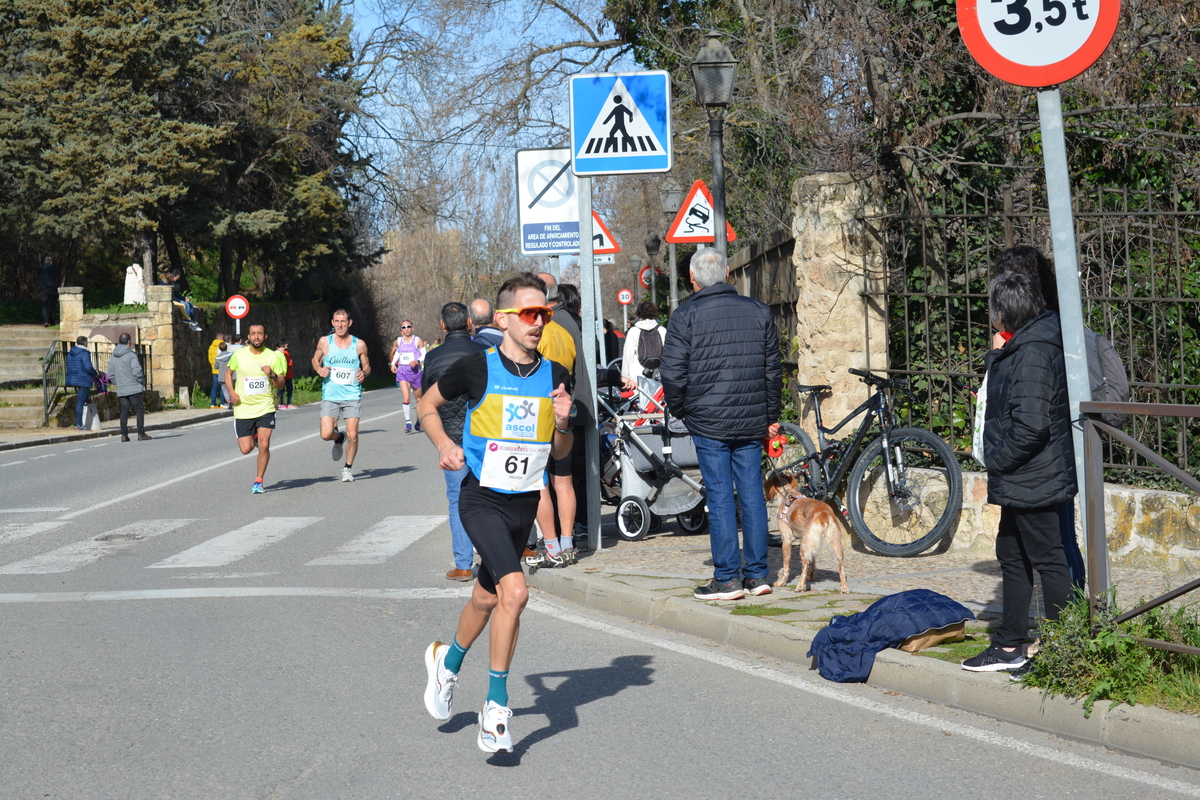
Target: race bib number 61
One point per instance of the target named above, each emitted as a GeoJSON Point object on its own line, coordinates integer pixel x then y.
{"type": "Point", "coordinates": [513, 466]}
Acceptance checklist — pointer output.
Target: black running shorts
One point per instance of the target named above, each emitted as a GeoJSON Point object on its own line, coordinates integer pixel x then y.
{"type": "Point", "coordinates": [249, 427]}
{"type": "Point", "coordinates": [498, 526]}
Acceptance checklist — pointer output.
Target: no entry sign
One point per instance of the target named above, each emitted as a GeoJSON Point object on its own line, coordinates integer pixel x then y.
{"type": "Point", "coordinates": [1037, 42]}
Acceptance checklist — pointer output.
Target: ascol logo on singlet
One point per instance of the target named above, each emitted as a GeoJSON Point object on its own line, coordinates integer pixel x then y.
{"type": "Point", "coordinates": [520, 418]}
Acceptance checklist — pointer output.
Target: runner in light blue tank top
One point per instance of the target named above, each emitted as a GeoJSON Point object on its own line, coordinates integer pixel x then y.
{"type": "Point", "coordinates": [341, 361]}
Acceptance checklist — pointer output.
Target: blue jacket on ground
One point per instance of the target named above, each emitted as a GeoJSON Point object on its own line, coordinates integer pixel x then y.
{"type": "Point", "coordinates": [846, 649]}
{"type": "Point", "coordinates": [79, 367]}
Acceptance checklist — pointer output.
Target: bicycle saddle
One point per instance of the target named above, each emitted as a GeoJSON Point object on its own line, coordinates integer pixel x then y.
{"type": "Point", "coordinates": [813, 389]}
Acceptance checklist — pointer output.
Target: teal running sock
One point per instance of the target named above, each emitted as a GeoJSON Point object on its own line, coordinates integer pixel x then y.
{"type": "Point", "coordinates": [455, 657]}
{"type": "Point", "coordinates": [498, 687]}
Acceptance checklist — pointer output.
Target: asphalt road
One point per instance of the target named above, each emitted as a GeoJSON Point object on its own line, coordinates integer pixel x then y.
{"type": "Point", "coordinates": [166, 634]}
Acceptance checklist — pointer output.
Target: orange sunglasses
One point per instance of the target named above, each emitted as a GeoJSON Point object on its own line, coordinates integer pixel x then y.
{"type": "Point", "coordinates": [530, 314]}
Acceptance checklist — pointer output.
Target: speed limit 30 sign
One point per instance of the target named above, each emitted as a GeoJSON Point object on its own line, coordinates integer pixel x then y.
{"type": "Point", "coordinates": [624, 297]}
{"type": "Point", "coordinates": [1037, 43]}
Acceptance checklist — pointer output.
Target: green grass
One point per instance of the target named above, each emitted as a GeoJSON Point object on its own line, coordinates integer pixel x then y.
{"type": "Point", "coordinates": [760, 611]}
{"type": "Point", "coordinates": [955, 652]}
{"type": "Point", "coordinates": [117, 308]}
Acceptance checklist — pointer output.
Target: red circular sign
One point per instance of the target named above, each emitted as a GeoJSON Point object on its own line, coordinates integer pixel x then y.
{"type": "Point", "coordinates": [1036, 44]}
{"type": "Point", "coordinates": [644, 276]}
{"type": "Point", "coordinates": [237, 307]}
{"type": "Point", "coordinates": [624, 297]}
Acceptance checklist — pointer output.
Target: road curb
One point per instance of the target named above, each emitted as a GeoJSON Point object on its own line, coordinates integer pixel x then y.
{"type": "Point", "coordinates": [82, 436]}
{"type": "Point", "coordinates": [1136, 730]}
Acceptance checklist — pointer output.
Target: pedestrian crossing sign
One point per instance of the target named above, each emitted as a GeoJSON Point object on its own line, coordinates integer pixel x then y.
{"type": "Point", "coordinates": [621, 123]}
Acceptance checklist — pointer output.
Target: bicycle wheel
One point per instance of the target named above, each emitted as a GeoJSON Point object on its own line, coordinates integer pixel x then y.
{"type": "Point", "coordinates": [925, 496]}
{"type": "Point", "coordinates": [789, 462]}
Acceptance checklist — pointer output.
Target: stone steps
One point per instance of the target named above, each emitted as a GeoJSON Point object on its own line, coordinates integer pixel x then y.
{"type": "Point", "coordinates": [21, 416]}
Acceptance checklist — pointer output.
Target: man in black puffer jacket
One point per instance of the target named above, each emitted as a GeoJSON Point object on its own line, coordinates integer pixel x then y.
{"type": "Point", "coordinates": [454, 414]}
{"type": "Point", "coordinates": [722, 376]}
{"type": "Point", "coordinates": [1031, 461]}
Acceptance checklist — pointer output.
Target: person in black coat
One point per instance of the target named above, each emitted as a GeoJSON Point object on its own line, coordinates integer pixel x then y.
{"type": "Point", "coordinates": [1031, 461]}
{"type": "Point", "coordinates": [454, 415]}
{"type": "Point", "coordinates": [722, 375]}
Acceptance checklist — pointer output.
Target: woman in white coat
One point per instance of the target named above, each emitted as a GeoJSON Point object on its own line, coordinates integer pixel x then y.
{"type": "Point", "coordinates": [647, 325]}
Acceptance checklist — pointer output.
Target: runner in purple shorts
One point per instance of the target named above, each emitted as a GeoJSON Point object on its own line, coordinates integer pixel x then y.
{"type": "Point", "coordinates": [407, 352]}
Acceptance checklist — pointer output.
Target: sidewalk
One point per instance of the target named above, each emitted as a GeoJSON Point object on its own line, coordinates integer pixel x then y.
{"type": "Point", "coordinates": [652, 581]}
{"type": "Point", "coordinates": [15, 438]}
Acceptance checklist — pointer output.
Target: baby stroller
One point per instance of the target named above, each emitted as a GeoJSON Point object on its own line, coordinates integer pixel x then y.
{"type": "Point", "coordinates": [649, 468]}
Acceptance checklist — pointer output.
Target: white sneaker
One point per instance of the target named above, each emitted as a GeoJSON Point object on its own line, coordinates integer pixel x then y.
{"type": "Point", "coordinates": [493, 728]}
{"type": "Point", "coordinates": [347, 475]}
{"type": "Point", "coordinates": [439, 691]}
{"type": "Point", "coordinates": [338, 439]}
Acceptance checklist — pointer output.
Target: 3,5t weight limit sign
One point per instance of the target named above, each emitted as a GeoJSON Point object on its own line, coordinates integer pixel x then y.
{"type": "Point", "coordinates": [1037, 42]}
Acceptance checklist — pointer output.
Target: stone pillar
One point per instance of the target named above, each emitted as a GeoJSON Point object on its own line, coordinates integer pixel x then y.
{"type": "Point", "coordinates": [160, 335]}
{"type": "Point", "coordinates": [839, 271]}
{"type": "Point", "coordinates": [70, 311]}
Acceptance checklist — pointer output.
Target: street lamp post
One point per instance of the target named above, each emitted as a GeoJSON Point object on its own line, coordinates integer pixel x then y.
{"type": "Point", "coordinates": [653, 243]}
{"type": "Point", "coordinates": [715, 72]}
{"type": "Point", "coordinates": [670, 197]}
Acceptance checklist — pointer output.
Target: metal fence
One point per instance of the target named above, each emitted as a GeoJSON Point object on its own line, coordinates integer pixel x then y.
{"type": "Point", "coordinates": [54, 369]}
{"type": "Point", "coordinates": [1139, 256]}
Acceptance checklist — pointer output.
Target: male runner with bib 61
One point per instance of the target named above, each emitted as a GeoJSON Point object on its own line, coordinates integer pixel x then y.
{"type": "Point", "coordinates": [518, 418]}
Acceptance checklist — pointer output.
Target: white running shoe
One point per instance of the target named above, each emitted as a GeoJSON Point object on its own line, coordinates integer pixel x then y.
{"type": "Point", "coordinates": [347, 475]}
{"type": "Point", "coordinates": [337, 445]}
{"type": "Point", "coordinates": [439, 690]}
{"type": "Point", "coordinates": [494, 735]}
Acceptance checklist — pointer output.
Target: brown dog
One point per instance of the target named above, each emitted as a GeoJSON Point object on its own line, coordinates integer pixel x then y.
{"type": "Point", "coordinates": [809, 521]}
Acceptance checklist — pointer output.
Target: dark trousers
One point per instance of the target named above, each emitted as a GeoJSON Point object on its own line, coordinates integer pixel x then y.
{"type": "Point", "coordinates": [1075, 563]}
{"type": "Point", "coordinates": [81, 398]}
{"type": "Point", "coordinates": [134, 400]}
{"type": "Point", "coordinates": [1029, 539]}
{"type": "Point", "coordinates": [49, 307]}
{"type": "Point", "coordinates": [288, 386]}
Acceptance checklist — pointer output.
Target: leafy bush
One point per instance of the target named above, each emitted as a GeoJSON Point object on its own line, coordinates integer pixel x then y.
{"type": "Point", "coordinates": [1106, 662]}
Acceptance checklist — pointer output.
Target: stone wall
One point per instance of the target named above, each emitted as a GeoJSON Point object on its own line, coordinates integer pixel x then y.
{"type": "Point", "coordinates": [839, 272]}
{"type": "Point", "coordinates": [179, 355]}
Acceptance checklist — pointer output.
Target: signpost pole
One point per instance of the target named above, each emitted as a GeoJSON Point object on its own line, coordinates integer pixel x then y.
{"type": "Point", "coordinates": [1062, 228]}
{"type": "Point", "coordinates": [624, 317]}
{"type": "Point", "coordinates": [674, 276]}
{"type": "Point", "coordinates": [588, 296]}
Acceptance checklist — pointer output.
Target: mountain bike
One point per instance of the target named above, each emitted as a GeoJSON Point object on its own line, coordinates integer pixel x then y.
{"type": "Point", "coordinates": [903, 489]}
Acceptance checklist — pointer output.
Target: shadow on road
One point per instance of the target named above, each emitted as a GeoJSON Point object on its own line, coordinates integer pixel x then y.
{"type": "Point", "coordinates": [300, 483]}
{"type": "Point", "coordinates": [577, 687]}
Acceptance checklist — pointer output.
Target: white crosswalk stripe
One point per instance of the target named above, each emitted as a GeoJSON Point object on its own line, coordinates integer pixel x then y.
{"type": "Point", "coordinates": [79, 554]}
{"type": "Point", "coordinates": [17, 531]}
{"type": "Point", "coordinates": [236, 545]}
{"type": "Point", "coordinates": [381, 542]}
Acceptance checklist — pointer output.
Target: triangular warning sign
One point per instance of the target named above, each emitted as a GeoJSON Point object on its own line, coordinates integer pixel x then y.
{"type": "Point", "coordinates": [694, 222]}
{"type": "Point", "coordinates": [620, 129]}
{"type": "Point", "coordinates": [602, 238]}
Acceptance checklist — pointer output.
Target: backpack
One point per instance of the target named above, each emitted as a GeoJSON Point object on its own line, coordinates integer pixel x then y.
{"type": "Point", "coordinates": [649, 348]}
{"type": "Point", "coordinates": [1106, 375]}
